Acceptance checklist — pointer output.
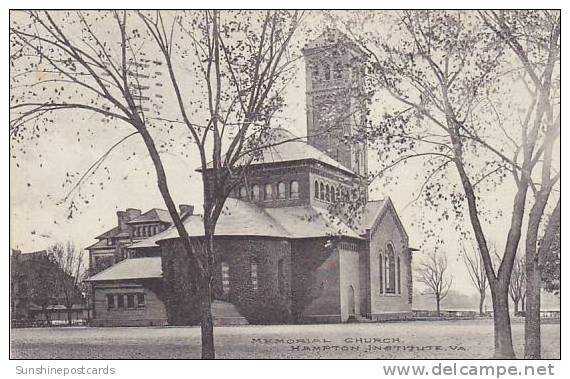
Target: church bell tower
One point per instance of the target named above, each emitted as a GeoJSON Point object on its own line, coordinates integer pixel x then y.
{"type": "Point", "coordinates": [335, 99]}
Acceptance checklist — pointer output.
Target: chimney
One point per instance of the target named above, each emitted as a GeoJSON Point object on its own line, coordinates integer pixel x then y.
{"type": "Point", "coordinates": [186, 210]}
{"type": "Point", "coordinates": [125, 216]}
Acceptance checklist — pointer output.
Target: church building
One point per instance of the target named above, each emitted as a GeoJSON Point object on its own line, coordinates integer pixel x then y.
{"type": "Point", "coordinates": [284, 252]}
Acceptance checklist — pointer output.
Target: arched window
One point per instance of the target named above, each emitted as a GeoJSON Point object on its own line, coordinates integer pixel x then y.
{"type": "Point", "coordinates": [398, 269]}
{"type": "Point", "coordinates": [333, 194]}
{"type": "Point", "coordinates": [322, 194]}
{"type": "Point", "coordinates": [390, 270]}
{"type": "Point", "coordinates": [315, 71]}
{"type": "Point", "coordinates": [381, 273]}
{"type": "Point", "coordinates": [268, 192]}
{"type": "Point", "coordinates": [256, 192]}
{"type": "Point", "coordinates": [294, 188]}
{"type": "Point", "coordinates": [316, 189]}
{"type": "Point", "coordinates": [253, 266]}
{"type": "Point", "coordinates": [225, 278]}
{"type": "Point", "coordinates": [338, 194]}
{"type": "Point", "coordinates": [327, 193]}
{"type": "Point", "coordinates": [338, 70]}
{"type": "Point", "coordinates": [327, 70]}
{"type": "Point", "coordinates": [242, 192]}
{"type": "Point", "coordinates": [281, 190]}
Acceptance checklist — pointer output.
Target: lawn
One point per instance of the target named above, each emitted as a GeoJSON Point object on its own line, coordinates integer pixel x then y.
{"type": "Point", "coordinates": [461, 339]}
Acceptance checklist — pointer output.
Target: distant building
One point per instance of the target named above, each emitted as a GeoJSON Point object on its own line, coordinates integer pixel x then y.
{"type": "Point", "coordinates": [283, 254]}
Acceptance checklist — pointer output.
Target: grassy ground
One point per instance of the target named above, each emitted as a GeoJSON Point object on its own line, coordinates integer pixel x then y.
{"type": "Point", "coordinates": [462, 339]}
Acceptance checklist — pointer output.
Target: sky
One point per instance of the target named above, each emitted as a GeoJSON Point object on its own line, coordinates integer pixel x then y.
{"type": "Point", "coordinates": [43, 170]}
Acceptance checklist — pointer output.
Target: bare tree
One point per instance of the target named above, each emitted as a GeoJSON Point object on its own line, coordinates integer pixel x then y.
{"type": "Point", "coordinates": [476, 270]}
{"type": "Point", "coordinates": [533, 37]}
{"type": "Point", "coordinates": [432, 272]}
{"type": "Point", "coordinates": [451, 73]}
{"type": "Point", "coordinates": [69, 275]}
{"type": "Point", "coordinates": [226, 73]}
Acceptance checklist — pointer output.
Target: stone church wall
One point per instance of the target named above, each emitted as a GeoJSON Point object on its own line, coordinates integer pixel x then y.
{"type": "Point", "coordinates": [383, 303]}
{"type": "Point", "coordinates": [269, 303]}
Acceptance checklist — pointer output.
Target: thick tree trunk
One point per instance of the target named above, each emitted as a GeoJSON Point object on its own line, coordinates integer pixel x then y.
{"type": "Point", "coordinates": [207, 322]}
{"type": "Point", "coordinates": [502, 323]}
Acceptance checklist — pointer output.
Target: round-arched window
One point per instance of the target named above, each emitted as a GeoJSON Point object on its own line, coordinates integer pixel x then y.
{"type": "Point", "coordinates": [268, 192]}
{"type": "Point", "coordinates": [281, 190]}
{"type": "Point", "coordinates": [256, 192]}
{"type": "Point", "coordinates": [294, 188]}
{"type": "Point", "coordinates": [390, 269]}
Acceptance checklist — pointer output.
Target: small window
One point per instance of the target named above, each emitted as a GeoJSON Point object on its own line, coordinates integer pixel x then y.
{"type": "Point", "coordinates": [281, 190]}
{"type": "Point", "coordinates": [315, 71]}
{"type": "Point", "coordinates": [256, 192]}
{"type": "Point", "coordinates": [141, 301]}
{"type": "Point", "coordinates": [322, 194]}
{"type": "Point", "coordinates": [316, 189]}
{"type": "Point", "coordinates": [333, 194]}
{"type": "Point", "coordinates": [130, 301]}
{"type": "Point", "coordinates": [294, 189]}
{"type": "Point", "coordinates": [254, 274]}
{"type": "Point", "coordinates": [243, 192]}
{"type": "Point", "coordinates": [268, 192]}
{"type": "Point", "coordinates": [120, 301]}
{"type": "Point", "coordinates": [327, 193]}
{"type": "Point", "coordinates": [225, 278]}
{"type": "Point", "coordinates": [110, 301]}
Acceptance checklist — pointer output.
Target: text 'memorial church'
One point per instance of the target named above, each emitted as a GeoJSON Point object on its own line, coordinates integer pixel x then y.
{"type": "Point", "coordinates": [282, 256]}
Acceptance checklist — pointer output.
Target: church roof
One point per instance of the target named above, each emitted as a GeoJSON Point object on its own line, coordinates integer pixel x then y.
{"type": "Point", "coordinates": [284, 146]}
{"type": "Point", "coordinates": [241, 218]}
{"type": "Point", "coordinates": [153, 215]}
{"type": "Point", "coordinates": [133, 268]}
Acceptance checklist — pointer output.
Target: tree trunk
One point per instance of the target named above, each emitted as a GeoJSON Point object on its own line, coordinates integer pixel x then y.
{"type": "Point", "coordinates": [207, 322]}
{"type": "Point", "coordinates": [481, 303]}
{"type": "Point", "coordinates": [502, 323]}
{"type": "Point", "coordinates": [532, 312]}
{"type": "Point", "coordinates": [437, 301]}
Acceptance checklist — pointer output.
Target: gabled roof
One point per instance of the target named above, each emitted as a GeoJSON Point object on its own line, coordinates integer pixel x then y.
{"type": "Point", "coordinates": [99, 245]}
{"type": "Point", "coordinates": [309, 222]}
{"type": "Point", "coordinates": [283, 146]}
{"type": "Point", "coordinates": [133, 268]}
{"type": "Point", "coordinates": [109, 233]}
{"type": "Point", "coordinates": [242, 218]}
{"type": "Point", "coordinates": [372, 210]}
{"type": "Point", "coordinates": [153, 215]}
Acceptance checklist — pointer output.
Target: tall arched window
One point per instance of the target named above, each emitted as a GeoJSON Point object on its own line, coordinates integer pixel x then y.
{"type": "Point", "coordinates": [268, 192]}
{"type": "Point", "coordinates": [316, 189]}
{"type": "Point", "coordinates": [225, 278]}
{"type": "Point", "coordinates": [338, 70]}
{"type": "Point", "coordinates": [253, 266]}
{"type": "Point", "coordinates": [256, 192]}
{"type": "Point", "coordinates": [322, 195]}
{"type": "Point", "coordinates": [399, 270]}
{"type": "Point", "coordinates": [381, 273]}
{"type": "Point", "coordinates": [333, 194]}
{"type": "Point", "coordinates": [390, 270]}
{"type": "Point", "coordinates": [281, 190]}
{"type": "Point", "coordinates": [327, 70]}
{"type": "Point", "coordinates": [242, 192]}
{"type": "Point", "coordinates": [294, 189]}
{"type": "Point", "coordinates": [327, 193]}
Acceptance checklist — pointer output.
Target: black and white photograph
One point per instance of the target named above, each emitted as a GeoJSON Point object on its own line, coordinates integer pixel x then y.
{"type": "Point", "coordinates": [285, 184]}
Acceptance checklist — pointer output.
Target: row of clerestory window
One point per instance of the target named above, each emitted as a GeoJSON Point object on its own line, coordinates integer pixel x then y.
{"type": "Point", "coordinates": [146, 230]}
{"type": "Point", "coordinates": [257, 193]}
{"type": "Point", "coordinates": [328, 192]}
